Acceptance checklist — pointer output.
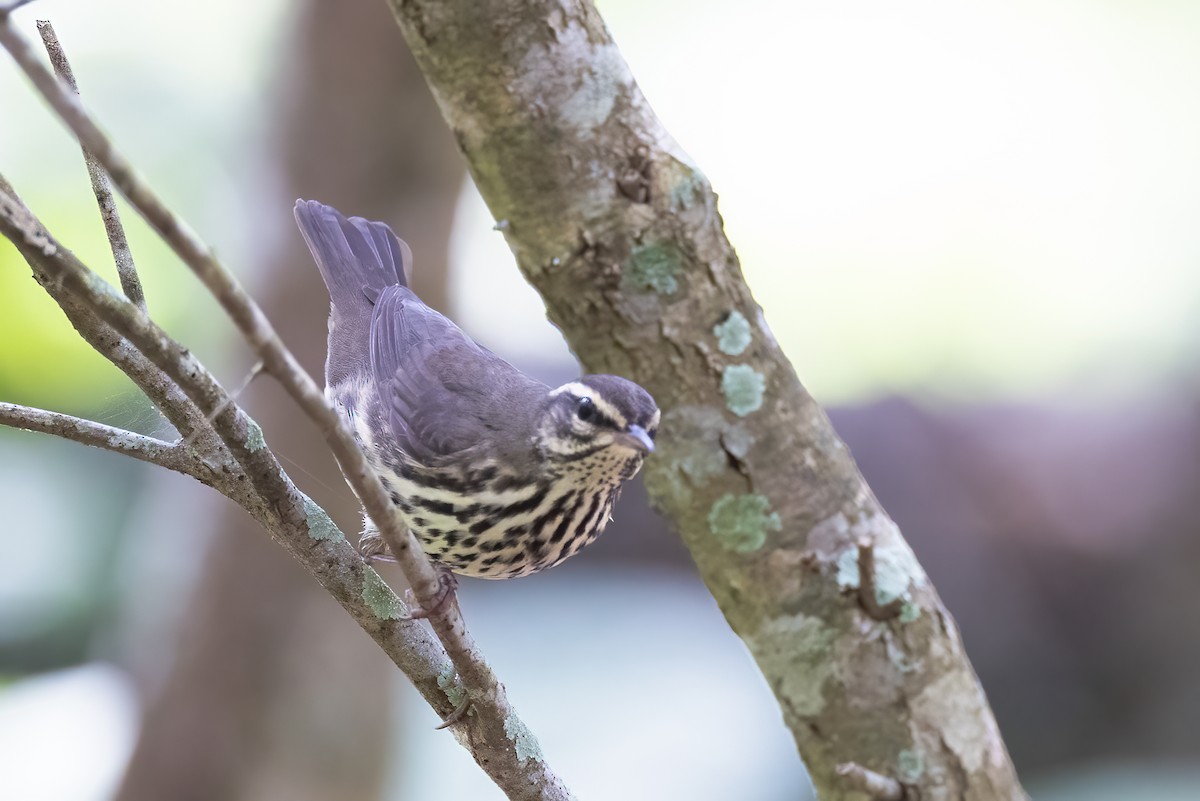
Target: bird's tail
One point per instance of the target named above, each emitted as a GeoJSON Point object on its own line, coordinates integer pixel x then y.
{"type": "Point", "coordinates": [358, 259]}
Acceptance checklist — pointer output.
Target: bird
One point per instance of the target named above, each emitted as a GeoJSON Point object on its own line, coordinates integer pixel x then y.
{"type": "Point", "coordinates": [496, 473]}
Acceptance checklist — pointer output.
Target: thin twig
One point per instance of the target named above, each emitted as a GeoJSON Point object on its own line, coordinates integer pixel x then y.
{"type": "Point", "coordinates": [489, 730]}
{"type": "Point", "coordinates": [146, 449]}
{"type": "Point", "coordinates": [163, 391]}
{"type": "Point", "coordinates": [122, 256]}
{"type": "Point", "coordinates": [231, 398]}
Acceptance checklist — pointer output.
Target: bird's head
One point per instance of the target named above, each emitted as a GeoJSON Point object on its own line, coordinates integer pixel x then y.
{"type": "Point", "coordinates": [598, 413]}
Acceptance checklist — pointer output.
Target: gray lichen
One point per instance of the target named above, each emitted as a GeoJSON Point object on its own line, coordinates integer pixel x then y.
{"type": "Point", "coordinates": [793, 650]}
{"type": "Point", "coordinates": [690, 186]}
{"type": "Point", "coordinates": [320, 526]}
{"type": "Point", "coordinates": [897, 570]}
{"type": "Point", "coordinates": [524, 742]}
{"type": "Point", "coordinates": [909, 766]}
{"type": "Point", "coordinates": [743, 388]}
{"type": "Point", "coordinates": [733, 335]}
{"type": "Point", "coordinates": [254, 436]}
{"type": "Point", "coordinates": [742, 522]}
{"type": "Point", "coordinates": [691, 441]}
{"type": "Point", "coordinates": [377, 595]}
{"type": "Point", "coordinates": [448, 681]}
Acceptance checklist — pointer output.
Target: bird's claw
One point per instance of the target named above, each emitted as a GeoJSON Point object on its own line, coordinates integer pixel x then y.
{"type": "Point", "coordinates": [447, 584]}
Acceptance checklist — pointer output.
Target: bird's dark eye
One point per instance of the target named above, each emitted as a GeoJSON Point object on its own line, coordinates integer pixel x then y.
{"type": "Point", "coordinates": [585, 410]}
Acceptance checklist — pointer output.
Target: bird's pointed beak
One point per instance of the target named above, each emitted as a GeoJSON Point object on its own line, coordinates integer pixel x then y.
{"type": "Point", "coordinates": [636, 437]}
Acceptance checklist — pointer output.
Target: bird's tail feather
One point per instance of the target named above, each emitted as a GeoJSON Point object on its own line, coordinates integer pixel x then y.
{"type": "Point", "coordinates": [358, 259]}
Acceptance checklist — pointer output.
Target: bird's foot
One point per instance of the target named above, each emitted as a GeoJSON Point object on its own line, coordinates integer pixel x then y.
{"type": "Point", "coordinates": [447, 584]}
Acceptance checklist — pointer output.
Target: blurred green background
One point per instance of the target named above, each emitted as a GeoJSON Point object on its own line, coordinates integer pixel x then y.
{"type": "Point", "coordinates": [971, 226]}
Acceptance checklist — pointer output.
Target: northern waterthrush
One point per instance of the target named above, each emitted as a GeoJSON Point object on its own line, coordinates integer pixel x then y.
{"type": "Point", "coordinates": [497, 474]}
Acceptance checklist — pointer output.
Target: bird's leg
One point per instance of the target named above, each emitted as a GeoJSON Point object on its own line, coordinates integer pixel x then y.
{"type": "Point", "coordinates": [371, 544]}
{"type": "Point", "coordinates": [447, 584]}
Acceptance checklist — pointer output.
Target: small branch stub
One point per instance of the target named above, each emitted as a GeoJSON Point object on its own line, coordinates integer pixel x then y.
{"type": "Point", "coordinates": [875, 785]}
{"type": "Point", "coordinates": [867, 596]}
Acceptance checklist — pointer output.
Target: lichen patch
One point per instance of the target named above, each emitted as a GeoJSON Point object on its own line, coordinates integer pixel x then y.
{"type": "Point", "coordinates": [733, 334]}
{"type": "Point", "coordinates": [743, 387]}
{"type": "Point", "coordinates": [742, 522]}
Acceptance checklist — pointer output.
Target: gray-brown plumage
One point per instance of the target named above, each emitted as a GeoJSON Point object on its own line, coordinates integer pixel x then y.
{"type": "Point", "coordinates": [497, 474]}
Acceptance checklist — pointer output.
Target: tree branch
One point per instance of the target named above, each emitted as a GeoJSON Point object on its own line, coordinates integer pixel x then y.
{"type": "Point", "coordinates": [140, 447]}
{"type": "Point", "coordinates": [620, 233]}
{"type": "Point", "coordinates": [162, 391]}
{"type": "Point", "coordinates": [496, 737]}
{"type": "Point", "coordinates": [122, 256]}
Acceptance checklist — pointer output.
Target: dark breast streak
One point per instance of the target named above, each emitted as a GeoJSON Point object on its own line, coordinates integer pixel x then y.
{"type": "Point", "coordinates": [480, 520]}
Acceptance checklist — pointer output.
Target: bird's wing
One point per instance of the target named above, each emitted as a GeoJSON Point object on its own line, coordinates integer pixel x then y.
{"type": "Point", "coordinates": [442, 392]}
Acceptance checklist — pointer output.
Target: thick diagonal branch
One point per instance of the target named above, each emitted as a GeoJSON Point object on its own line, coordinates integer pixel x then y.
{"type": "Point", "coordinates": [619, 231]}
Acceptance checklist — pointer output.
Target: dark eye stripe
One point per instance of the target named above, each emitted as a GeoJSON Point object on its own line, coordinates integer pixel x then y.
{"type": "Point", "coordinates": [604, 421]}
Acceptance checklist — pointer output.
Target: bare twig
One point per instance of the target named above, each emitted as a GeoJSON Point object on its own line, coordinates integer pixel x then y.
{"type": "Point", "coordinates": [489, 732]}
{"type": "Point", "coordinates": [867, 595]}
{"type": "Point", "coordinates": [146, 449]}
{"type": "Point", "coordinates": [122, 256]}
{"type": "Point", "coordinates": [877, 786]}
{"type": "Point", "coordinates": [162, 391]}
{"type": "Point", "coordinates": [232, 397]}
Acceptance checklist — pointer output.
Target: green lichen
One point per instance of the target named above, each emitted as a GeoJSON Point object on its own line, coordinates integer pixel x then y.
{"type": "Point", "coordinates": [254, 436]}
{"type": "Point", "coordinates": [741, 522]}
{"type": "Point", "coordinates": [743, 387]}
{"type": "Point", "coordinates": [909, 766]}
{"type": "Point", "coordinates": [380, 598]}
{"type": "Point", "coordinates": [653, 266]}
{"type": "Point", "coordinates": [448, 680]}
{"type": "Point", "coordinates": [320, 526]}
{"type": "Point", "coordinates": [523, 740]}
{"type": "Point", "coordinates": [733, 335]}
{"type": "Point", "coordinates": [909, 612]}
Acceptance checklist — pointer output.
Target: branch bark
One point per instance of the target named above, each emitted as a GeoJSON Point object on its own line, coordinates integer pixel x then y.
{"type": "Point", "coordinates": [122, 256]}
{"type": "Point", "coordinates": [86, 432]}
{"type": "Point", "coordinates": [620, 233]}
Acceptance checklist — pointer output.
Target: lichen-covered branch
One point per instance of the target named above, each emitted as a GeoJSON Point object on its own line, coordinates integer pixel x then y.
{"type": "Point", "coordinates": [495, 736]}
{"type": "Point", "coordinates": [122, 256]}
{"type": "Point", "coordinates": [87, 432]}
{"type": "Point", "coordinates": [619, 231]}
